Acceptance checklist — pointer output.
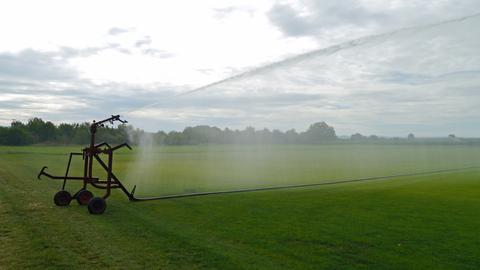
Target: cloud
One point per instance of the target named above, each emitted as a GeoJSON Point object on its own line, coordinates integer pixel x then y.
{"type": "Point", "coordinates": [158, 53]}
{"type": "Point", "coordinates": [222, 13]}
{"type": "Point", "coordinates": [34, 65]}
{"type": "Point", "coordinates": [143, 42]}
{"type": "Point", "coordinates": [321, 16]}
{"type": "Point", "coordinates": [286, 18]}
{"type": "Point", "coordinates": [114, 31]}
{"type": "Point", "coordinates": [331, 19]}
{"type": "Point", "coordinates": [35, 83]}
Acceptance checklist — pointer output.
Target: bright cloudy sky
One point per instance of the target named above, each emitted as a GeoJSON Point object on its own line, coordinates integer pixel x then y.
{"type": "Point", "coordinates": [70, 61]}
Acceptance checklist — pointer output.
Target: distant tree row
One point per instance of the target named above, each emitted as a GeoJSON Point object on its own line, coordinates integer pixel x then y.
{"type": "Point", "coordinates": [37, 131]}
{"type": "Point", "coordinates": [316, 133]}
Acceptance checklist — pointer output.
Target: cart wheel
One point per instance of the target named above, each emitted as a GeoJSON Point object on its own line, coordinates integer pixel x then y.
{"type": "Point", "coordinates": [84, 196]}
{"type": "Point", "coordinates": [97, 206]}
{"type": "Point", "coordinates": [62, 198]}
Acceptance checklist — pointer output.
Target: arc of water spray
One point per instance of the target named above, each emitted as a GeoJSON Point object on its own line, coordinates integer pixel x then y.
{"type": "Point", "coordinates": [301, 57]}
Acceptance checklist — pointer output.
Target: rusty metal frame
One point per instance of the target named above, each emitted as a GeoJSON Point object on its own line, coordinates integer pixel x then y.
{"type": "Point", "coordinates": [89, 154]}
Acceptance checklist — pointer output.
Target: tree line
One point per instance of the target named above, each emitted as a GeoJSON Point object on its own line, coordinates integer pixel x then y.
{"type": "Point", "coordinates": [38, 131]}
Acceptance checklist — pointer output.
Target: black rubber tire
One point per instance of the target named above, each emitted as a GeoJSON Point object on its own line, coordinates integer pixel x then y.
{"type": "Point", "coordinates": [84, 196]}
{"type": "Point", "coordinates": [97, 206]}
{"type": "Point", "coordinates": [62, 198]}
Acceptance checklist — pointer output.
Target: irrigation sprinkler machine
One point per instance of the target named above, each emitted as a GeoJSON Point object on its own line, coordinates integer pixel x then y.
{"type": "Point", "coordinates": [91, 153]}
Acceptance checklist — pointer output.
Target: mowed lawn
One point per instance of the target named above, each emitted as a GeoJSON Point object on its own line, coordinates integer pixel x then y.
{"type": "Point", "coordinates": [421, 222]}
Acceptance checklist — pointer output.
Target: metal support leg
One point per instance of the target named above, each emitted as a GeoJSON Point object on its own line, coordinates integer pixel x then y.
{"type": "Point", "coordinates": [109, 174]}
{"type": "Point", "coordinates": [85, 168]}
{"type": "Point", "coordinates": [68, 168]}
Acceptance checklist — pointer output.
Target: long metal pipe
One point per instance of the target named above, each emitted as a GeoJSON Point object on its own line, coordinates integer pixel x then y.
{"type": "Point", "coordinates": [385, 177]}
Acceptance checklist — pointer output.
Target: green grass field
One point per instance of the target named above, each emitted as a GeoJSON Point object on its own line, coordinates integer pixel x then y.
{"type": "Point", "coordinates": [420, 222]}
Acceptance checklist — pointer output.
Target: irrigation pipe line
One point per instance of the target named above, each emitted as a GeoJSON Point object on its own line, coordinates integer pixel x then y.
{"type": "Point", "coordinates": [386, 177]}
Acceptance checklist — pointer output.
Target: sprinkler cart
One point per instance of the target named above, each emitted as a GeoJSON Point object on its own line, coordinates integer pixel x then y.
{"type": "Point", "coordinates": [96, 205]}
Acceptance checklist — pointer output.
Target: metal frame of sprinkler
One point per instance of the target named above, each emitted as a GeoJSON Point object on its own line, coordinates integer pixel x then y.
{"type": "Point", "coordinates": [97, 205]}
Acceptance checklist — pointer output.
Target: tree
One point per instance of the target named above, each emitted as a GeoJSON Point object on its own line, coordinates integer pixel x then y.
{"type": "Point", "coordinates": [65, 133]}
{"type": "Point", "coordinates": [81, 135]}
{"type": "Point", "coordinates": [247, 135]}
{"type": "Point", "coordinates": [357, 137]}
{"type": "Point", "coordinates": [159, 137]}
{"type": "Point", "coordinates": [175, 138]}
{"type": "Point", "coordinates": [411, 136]}
{"type": "Point", "coordinates": [319, 132]}
{"type": "Point", "coordinates": [278, 137]}
{"type": "Point", "coordinates": [228, 136]}
{"type": "Point", "coordinates": [17, 124]}
{"type": "Point", "coordinates": [41, 131]}
{"type": "Point", "coordinates": [18, 136]}
{"type": "Point", "coordinates": [3, 135]}
{"type": "Point", "coordinates": [263, 136]}
{"type": "Point", "coordinates": [291, 136]}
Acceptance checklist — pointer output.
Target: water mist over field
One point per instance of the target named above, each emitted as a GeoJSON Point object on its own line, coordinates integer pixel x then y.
{"type": "Point", "coordinates": [423, 80]}
{"type": "Point", "coordinates": [189, 169]}
{"type": "Point", "coordinates": [141, 168]}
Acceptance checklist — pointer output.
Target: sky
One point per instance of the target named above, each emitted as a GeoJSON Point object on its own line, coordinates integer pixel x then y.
{"type": "Point", "coordinates": [293, 63]}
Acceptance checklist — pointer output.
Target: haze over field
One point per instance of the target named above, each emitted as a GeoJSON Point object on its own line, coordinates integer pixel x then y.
{"type": "Point", "coordinates": [68, 62]}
